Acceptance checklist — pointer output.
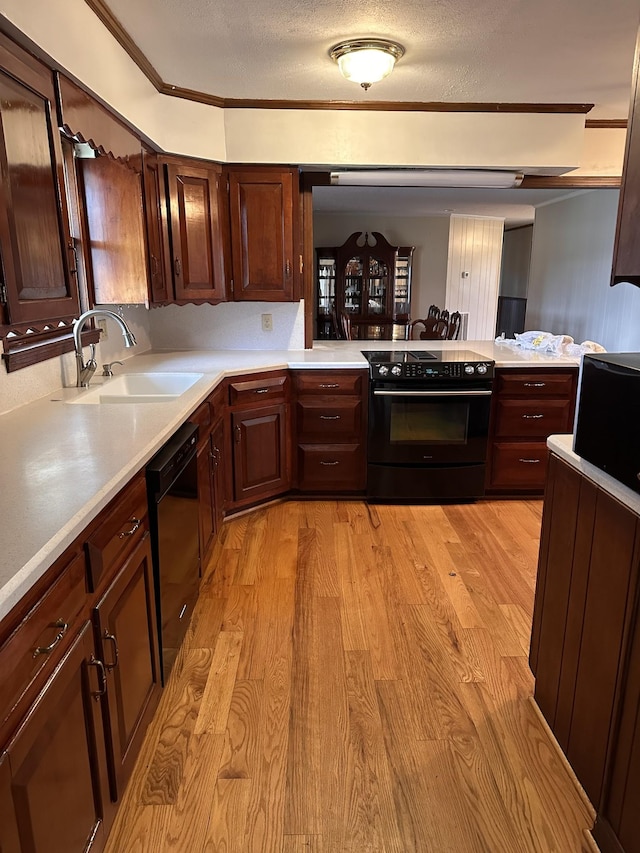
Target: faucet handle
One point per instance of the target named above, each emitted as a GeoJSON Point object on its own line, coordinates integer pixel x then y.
{"type": "Point", "coordinates": [106, 368]}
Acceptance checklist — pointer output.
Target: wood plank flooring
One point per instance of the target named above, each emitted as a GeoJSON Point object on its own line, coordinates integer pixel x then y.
{"type": "Point", "coordinates": [355, 679]}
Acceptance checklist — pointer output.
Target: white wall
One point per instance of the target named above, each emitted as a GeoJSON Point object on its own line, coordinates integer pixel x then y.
{"type": "Point", "coordinates": [473, 275]}
{"type": "Point", "coordinates": [571, 259]}
{"type": "Point", "coordinates": [429, 235]}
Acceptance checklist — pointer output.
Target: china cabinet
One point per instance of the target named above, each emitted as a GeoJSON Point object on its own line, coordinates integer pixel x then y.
{"type": "Point", "coordinates": [367, 279]}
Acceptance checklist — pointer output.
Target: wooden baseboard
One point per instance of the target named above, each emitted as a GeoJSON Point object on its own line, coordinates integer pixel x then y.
{"type": "Point", "coordinates": [552, 738]}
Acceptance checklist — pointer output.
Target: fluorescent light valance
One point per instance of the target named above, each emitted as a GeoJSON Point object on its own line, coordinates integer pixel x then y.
{"type": "Point", "coordinates": [427, 178]}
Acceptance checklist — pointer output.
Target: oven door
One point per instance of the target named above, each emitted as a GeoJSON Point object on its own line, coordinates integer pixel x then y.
{"type": "Point", "coordinates": [447, 425]}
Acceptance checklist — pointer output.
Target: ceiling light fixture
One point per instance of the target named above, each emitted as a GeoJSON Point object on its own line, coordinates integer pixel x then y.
{"type": "Point", "coordinates": [483, 178]}
{"type": "Point", "coordinates": [366, 61]}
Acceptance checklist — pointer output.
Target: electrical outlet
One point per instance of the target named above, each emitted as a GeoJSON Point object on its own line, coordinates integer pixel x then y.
{"type": "Point", "coordinates": [267, 322]}
{"type": "Point", "coordinates": [102, 324]}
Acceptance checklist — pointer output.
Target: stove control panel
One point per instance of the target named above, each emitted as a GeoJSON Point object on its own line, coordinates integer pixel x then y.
{"type": "Point", "coordinates": [425, 371]}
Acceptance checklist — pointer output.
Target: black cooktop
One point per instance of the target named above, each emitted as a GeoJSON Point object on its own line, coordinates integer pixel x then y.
{"type": "Point", "coordinates": [410, 357]}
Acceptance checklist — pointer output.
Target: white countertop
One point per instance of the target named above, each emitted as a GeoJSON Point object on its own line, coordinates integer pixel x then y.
{"type": "Point", "coordinates": [60, 464]}
{"type": "Point", "coordinates": [562, 446]}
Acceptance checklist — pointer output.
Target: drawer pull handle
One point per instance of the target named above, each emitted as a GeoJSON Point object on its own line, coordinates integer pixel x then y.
{"type": "Point", "coordinates": [261, 391]}
{"type": "Point", "coordinates": [329, 385]}
{"type": "Point", "coordinates": [111, 639]}
{"type": "Point", "coordinates": [136, 526]}
{"type": "Point", "coordinates": [532, 461]}
{"type": "Point", "coordinates": [46, 650]}
{"type": "Point", "coordinates": [534, 384]}
{"type": "Point", "coordinates": [329, 463]}
{"type": "Point", "coordinates": [102, 678]}
{"type": "Point", "coordinates": [238, 434]}
{"type": "Point", "coordinates": [177, 266]}
{"type": "Point", "coordinates": [532, 417]}
{"type": "Point", "coordinates": [329, 417]}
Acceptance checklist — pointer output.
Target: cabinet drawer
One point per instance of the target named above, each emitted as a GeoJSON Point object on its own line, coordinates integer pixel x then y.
{"type": "Point", "coordinates": [532, 418]}
{"type": "Point", "coordinates": [259, 390]}
{"type": "Point", "coordinates": [125, 522]}
{"type": "Point", "coordinates": [519, 464]}
{"type": "Point", "coordinates": [329, 421]}
{"type": "Point", "coordinates": [33, 645]}
{"type": "Point", "coordinates": [323, 468]}
{"type": "Point", "coordinates": [331, 382]}
{"type": "Point", "coordinates": [556, 384]}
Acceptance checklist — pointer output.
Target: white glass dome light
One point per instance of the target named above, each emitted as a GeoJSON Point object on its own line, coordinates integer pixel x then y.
{"type": "Point", "coordinates": [366, 61]}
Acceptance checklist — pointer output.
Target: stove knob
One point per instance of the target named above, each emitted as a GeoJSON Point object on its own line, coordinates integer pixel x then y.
{"type": "Point", "coordinates": [383, 370]}
{"type": "Point", "coordinates": [396, 370]}
{"type": "Point", "coordinates": [482, 369]}
{"type": "Point", "coordinates": [469, 368]}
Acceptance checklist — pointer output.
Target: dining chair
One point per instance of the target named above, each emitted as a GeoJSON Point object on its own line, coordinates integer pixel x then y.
{"type": "Point", "coordinates": [433, 329]}
{"type": "Point", "coordinates": [454, 326]}
{"type": "Point", "coordinates": [433, 311]}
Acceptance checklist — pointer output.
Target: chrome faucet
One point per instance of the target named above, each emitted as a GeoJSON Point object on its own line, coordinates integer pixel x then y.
{"type": "Point", "coordinates": [86, 370]}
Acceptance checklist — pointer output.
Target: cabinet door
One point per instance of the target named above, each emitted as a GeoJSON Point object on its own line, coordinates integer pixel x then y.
{"type": "Point", "coordinates": [626, 250]}
{"type": "Point", "coordinates": [196, 232]}
{"type": "Point", "coordinates": [115, 231]}
{"type": "Point", "coordinates": [155, 212]}
{"type": "Point", "coordinates": [218, 473]}
{"type": "Point", "coordinates": [206, 498]}
{"type": "Point", "coordinates": [35, 242]}
{"type": "Point", "coordinates": [127, 643]}
{"type": "Point", "coordinates": [260, 452]}
{"type": "Point", "coordinates": [53, 775]}
{"type": "Point", "coordinates": [263, 209]}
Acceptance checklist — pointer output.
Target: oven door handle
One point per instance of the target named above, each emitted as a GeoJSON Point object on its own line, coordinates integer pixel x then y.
{"type": "Point", "coordinates": [432, 393]}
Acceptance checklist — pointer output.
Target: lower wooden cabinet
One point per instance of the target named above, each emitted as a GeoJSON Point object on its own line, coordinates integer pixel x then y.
{"type": "Point", "coordinates": [54, 792]}
{"type": "Point", "coordinates": [330, 430]}
{"type": "Point", "coordinates": [260, 452]}
{"type": "Point", "coordinates": [527, 407]}
{"type": "Point", "coordinates": [127, 643]}
{"type": "Point", "coordinates": [258, 444]}
{"type": "Point", "coordinates": [585, 646]}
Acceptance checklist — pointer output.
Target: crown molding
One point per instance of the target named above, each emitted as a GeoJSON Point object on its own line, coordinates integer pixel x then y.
{"type": "Point", "coordinates": [104, 13]}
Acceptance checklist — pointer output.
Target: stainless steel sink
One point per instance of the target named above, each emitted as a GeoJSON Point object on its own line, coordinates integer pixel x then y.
{"type": "Point", "coordinates": [139, 388]}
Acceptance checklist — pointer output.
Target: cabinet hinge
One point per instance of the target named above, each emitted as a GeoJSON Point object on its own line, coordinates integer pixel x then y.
{"type": "Point", "coordinates": [3, 293]}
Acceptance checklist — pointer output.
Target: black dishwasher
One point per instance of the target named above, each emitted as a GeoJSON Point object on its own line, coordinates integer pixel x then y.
{"type": "Point", "coordinates": [172, 489]}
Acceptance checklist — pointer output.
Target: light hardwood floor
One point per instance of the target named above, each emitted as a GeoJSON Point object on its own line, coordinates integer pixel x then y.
{"type": "Point", "coordinates": [355, 680]}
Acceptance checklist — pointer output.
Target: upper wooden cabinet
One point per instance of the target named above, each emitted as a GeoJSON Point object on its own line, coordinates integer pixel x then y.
{"type": "Point", "coordinates": [35, 242]}
{"type": "Point", "coordinates": [626, 251]}
{"type": "Point", "coordinates": [197, 242]}
{"type": "Point", "coordinates": [263, 206]}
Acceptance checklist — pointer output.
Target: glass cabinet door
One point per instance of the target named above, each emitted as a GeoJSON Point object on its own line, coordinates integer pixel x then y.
{"type": "Point", "coordinates": [378, 287]}
{"type": "Point", "coordinates": [353, 285]}
{"type": "Point", "coordinates": [325, 296]}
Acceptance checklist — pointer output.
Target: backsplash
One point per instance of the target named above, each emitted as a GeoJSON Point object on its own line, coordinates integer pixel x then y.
{"type": "Point", "coordinates": [231, 325]}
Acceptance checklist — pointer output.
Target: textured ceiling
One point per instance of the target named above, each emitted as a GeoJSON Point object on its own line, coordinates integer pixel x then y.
{"type": "Point", "coordinates": [533, 51]}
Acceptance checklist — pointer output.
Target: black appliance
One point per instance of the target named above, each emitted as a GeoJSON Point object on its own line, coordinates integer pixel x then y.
{"type": "Point", "coordinates": [608, 415]}
{"type": "Point", "coordinates": [428, 425]}
{"type": "Point", "coordinates": [172, 489]}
